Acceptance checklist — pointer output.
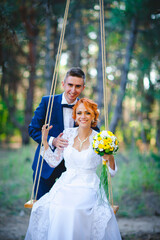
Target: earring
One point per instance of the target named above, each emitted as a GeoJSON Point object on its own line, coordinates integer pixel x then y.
{"type": "Point", "coordinates": [93, 121]}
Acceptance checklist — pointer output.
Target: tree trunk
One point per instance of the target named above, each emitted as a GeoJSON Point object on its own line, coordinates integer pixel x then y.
{"type": "Point", "coordinates": [78, 46]}
{"type": "Point", "coordinates": [75, 41]}
{"type": "Point", "coordinates": [143, 134]}
{"type": "Point", "coordinates": [47, 72]}
{"type": "Point", "coordinates": [129, 50]}
{"type": "Point", "coordinates": [50, 51]}
{"type": "Point", "coordinates": [158, 135]}
{"type": "Point", "coordinates": [32, 32]}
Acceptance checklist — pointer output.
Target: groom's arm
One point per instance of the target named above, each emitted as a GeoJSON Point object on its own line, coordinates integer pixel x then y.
{"type": "Point", "coordinates": [96, 128]}
{"type": "Point", "coordinates": [38, 121]}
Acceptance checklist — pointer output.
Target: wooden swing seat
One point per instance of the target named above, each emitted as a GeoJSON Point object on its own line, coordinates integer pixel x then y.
{"type": "Point", "coordinates": [29, 204]}
{"type": "Point", "coordinates": [115, 208]}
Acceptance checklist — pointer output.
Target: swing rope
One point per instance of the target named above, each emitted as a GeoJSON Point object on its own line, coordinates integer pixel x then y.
{"type": "Point", "coordinates": [54, 83]}
{"type": "Point", "coordinates": [105, 80]}
{"type": "Point", "coordinates": [52, 93]}
{"type": "Point", "coordinates": [105, 87]}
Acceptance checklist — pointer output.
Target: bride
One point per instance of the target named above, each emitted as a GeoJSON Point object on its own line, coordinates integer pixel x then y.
{"type": "Point", "coordinates": [73, 209]}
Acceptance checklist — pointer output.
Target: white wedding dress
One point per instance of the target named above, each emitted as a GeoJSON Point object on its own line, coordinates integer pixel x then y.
{"type": "Point", "coordinates": [73, 209]}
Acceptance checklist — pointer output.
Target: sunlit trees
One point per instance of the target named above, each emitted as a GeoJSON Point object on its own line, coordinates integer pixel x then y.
{"type": "Point", "coordinates": [28, 48]}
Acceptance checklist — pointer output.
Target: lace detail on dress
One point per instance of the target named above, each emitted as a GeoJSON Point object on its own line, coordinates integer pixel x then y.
{"type": "Point", "coordinates": [54, 158]}
{"type": "Point", "coordinates": [70, 134]}
{"type": "Point", "coordinates": [39, 227]}
{"type": "Point", "coordinates": [101, 216]}
{"type": "Point", "coordinates": [39, 220]}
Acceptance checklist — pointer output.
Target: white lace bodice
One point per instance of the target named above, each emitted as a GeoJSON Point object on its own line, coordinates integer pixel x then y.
{"type": "Point", "coordinates": [84, 160]}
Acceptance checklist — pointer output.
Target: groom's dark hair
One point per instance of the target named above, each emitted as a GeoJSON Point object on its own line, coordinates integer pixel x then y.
{"type": "Point", "coordinates": [76, 72]}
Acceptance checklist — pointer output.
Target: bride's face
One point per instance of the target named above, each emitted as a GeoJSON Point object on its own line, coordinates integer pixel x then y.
{"type": "Point", "coordinates": [83, 116]}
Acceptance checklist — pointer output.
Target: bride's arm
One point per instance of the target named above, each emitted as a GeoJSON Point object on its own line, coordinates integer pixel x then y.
{"type": "Point", "coordinates": [52, 158]}
{"type": "Point", "coordinates": [111, 164]}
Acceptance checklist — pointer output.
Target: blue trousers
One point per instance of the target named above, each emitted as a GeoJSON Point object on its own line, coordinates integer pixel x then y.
{"type": "Point", "coordinates": [46, 184]}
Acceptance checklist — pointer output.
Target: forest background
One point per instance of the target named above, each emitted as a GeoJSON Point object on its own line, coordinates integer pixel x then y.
{"type": "Point", "coordinates": [29, 37]}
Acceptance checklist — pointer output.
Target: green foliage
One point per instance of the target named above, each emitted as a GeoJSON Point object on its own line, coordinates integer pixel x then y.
{"type": "Point", "coordinates": [83, 19]}
{"type": "Point", "coordinates": [6, 127]}
{"type": "Point", "coordinates": [141, 8]}
{"type": "Point", "coordinates": [137, 180]}
{"type": "Point", "coordinates": [104, 180]}
{"type": "Point", "coordinates": [10, 18]}
{"type": "Point", "coordinates": [15, 177]}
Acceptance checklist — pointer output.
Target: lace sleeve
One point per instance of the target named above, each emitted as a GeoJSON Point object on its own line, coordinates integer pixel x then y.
{"type": "Point", "coordinates": [52, 158]}
{"type": "Point", "coordinates": [113, 172]}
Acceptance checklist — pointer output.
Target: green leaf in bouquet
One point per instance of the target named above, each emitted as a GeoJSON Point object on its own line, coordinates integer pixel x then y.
{"type": "Point", "coordinates": [101, 153]}
{"type": "Point", "coordinates": [107, 151]}
{"type": "Point", "coordinates": [104, 180]}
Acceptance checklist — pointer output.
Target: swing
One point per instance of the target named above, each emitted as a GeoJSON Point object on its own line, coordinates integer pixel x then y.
{"type": "Point", "coordinates": [30, 203]}
{"type": "Point", "coordinates": [105, 94]}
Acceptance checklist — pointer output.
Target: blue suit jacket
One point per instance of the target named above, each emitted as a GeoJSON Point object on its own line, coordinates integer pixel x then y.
{"type": "Point", "coordinates": [36, 124]}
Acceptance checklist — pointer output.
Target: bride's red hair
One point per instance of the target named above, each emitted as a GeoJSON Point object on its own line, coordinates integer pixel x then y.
{"type": "Point", "coordinates": [91, 107]}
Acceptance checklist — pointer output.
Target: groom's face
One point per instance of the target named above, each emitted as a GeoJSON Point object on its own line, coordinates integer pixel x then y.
{"type": "Point", "coordinates": [73, 86]}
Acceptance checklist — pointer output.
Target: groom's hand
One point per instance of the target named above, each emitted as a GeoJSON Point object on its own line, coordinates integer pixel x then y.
{"type": "Point", "coordinates": [60, 142]}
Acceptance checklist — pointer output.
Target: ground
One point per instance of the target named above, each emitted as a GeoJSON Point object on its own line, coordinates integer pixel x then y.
{"type": "Point", "coordinates": [13, 226]}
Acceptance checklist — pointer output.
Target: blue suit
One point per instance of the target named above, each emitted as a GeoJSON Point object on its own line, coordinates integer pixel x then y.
{"type": "Point", "coordinates": [34, 130]}
{"type": "Point", "coordinates": [48, 174]}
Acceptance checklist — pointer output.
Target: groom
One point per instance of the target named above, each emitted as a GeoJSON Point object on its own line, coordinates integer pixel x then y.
{"type": "Point", "coordinates": [61, 118]}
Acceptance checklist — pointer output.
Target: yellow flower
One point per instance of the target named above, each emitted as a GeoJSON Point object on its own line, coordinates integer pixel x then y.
{"type": "Point", "coordinates": [110, 133]}
{"type": "Point", "coordinates": [116, 142]}
{"type": "Point", "coordinates": [99, 138]}
{"type": "Point", "coordinates": [105, 147]}
{"type": "Point", "coordinates": [105, 141]}
{"type": "Point", "coordinates": [109, 140]}
{"type": "Point", "coordinates": [95, 151]}
{"type": "Point", "coordinates": [104, 162]}
{"type": "Point", "coordinates": [111, 149]}
{"type": "Point", "coordinates": [100, 146]}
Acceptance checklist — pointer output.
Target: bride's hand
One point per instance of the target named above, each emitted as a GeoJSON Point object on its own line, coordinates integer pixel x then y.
{"type": "Point", "coordinates": [45, 130]}
{"type": "Point", "coordinates": [110, 158]}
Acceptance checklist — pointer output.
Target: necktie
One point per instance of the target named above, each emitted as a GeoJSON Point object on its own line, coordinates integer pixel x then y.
{"type": "Point", "coordinates": [67, 105]}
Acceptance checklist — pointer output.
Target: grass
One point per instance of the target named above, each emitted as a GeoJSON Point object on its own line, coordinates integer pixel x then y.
{"type": "Point", "coordinates": [15, 177]}
{"type": "Point", "coordinates": [136, 187]}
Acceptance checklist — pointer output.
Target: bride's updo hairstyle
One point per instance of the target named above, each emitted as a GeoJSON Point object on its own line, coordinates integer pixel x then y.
{"type": "Point", "coordinates": [91, 107]}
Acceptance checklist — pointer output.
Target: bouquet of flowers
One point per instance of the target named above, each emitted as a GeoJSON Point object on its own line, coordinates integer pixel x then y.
{"type": "Point", "coordinates": [105, 142]}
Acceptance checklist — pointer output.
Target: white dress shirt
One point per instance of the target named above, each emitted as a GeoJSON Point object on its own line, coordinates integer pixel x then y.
{"type": "Point", "coordinates": [67, 117]}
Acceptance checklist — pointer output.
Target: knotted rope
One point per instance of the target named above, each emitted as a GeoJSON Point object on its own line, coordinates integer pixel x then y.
{"type": "Point", "coordinates": [105, 86]}
{"type": "Point", "coordinates": [52, 93]}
